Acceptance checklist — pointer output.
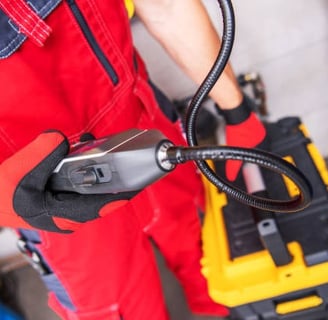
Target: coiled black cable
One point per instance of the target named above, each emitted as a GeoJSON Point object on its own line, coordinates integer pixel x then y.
{"type": "Point", "coordinates": [263, 159]}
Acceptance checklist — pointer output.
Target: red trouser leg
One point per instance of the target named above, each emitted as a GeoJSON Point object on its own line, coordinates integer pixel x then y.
{"type": "Point", "coordinates": [108, 270]}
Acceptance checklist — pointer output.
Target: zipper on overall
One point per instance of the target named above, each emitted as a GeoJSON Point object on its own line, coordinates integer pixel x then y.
{"type": "Point", "coordinates": [92, 41]}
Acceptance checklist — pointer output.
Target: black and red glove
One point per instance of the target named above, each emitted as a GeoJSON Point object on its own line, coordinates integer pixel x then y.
{"type": "Point", "coordinates": [25, 201]}
{"type": "Point", "coordinates": [243, 129]}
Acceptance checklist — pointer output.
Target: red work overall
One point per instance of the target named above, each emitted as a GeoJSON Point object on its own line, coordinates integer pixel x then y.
{"type": "Point", "coordinates": [70, 65]}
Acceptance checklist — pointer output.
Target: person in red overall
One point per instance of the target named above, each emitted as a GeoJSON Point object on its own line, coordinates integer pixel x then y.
{"type": "Point", "coordinates": [67, 69]}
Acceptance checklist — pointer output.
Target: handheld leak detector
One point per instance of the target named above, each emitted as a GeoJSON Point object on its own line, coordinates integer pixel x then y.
{"type": "Point", "coordinates": [131, 160]}
{"type": "Point", "coordinates": [128, 161]}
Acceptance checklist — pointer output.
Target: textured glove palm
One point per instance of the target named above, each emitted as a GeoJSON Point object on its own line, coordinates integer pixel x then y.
{"type": "Point", "coordinates": [25, 200]}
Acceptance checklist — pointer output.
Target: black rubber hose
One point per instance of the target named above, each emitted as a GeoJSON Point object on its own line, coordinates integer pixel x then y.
{"type": "Point", "coordinates": [264, 159]}
{"type": "Point", "coordinates": [258, 157]}
{"type": "Point", "coordinates": [216, 70]}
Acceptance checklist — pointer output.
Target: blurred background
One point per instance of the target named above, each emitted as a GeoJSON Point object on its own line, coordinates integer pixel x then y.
{"type": "Point", "coordinates": [285, 42]}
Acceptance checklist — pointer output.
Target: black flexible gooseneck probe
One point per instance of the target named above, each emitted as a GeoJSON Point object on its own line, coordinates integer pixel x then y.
{"type": "Point", "coordinates": [263, 159]}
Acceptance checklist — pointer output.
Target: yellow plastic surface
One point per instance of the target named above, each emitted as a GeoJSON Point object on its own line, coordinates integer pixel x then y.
{"type": "Point", "coordinates": [290, 185]}
{"type": "Point", "coordinates": [298, 304]}
{"type": "Point", "coordinates": [253, 277]}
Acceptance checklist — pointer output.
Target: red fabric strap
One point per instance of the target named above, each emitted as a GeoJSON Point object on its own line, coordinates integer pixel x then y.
{"type": "Point", "coordinates": [28, 21]}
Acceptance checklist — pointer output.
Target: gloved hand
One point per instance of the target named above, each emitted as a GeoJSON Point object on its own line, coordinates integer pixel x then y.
{"type": "Point", "coordinates": [243, 129]}
{"type": "Point", "coordinates": [25, 201]}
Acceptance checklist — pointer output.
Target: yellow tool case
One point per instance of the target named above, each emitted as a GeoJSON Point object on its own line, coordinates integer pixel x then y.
{"type": "Point", "coordinates": [274, 268]}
